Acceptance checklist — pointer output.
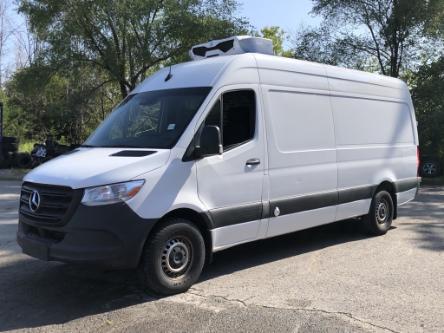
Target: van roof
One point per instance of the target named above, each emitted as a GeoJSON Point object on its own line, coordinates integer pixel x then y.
{"type": "Point", "coordinates": [200, 73]}
{"type": "Point", "coordinates": [243, 68]}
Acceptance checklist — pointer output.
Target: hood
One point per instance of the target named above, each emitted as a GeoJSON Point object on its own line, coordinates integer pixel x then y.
{"type": "Point", "coordinates": [86, 167]}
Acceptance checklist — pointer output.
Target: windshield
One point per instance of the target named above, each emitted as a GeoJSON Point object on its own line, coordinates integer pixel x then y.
{"type": "Point", "coordinates": [153, 119]}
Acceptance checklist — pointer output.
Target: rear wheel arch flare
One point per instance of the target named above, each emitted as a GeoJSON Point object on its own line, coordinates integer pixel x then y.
{"type": "Point", "coordinates": [390, 188]}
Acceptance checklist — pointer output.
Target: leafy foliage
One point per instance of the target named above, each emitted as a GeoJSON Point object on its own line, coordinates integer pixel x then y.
{"type": "Point", "coordinates": [429, 102]}
{"type": "Point", "coordinates": [61, 103]}
{"type": "Point", "coordinates": [128, 38]}
{"type": "Point", "coordinates": [365, 33]}
{"type": "Point", "coordinates": [95, 52]}
{"type": "Point", "coordinates": [277, 35]}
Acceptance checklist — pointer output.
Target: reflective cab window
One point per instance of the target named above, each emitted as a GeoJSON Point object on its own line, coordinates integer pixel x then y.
{"type": "Point", "coordinates": [153, 119]}
{"type": "Point", "coordinates": [238, 117]}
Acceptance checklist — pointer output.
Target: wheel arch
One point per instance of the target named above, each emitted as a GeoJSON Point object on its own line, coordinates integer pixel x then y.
{"type": "Point", "coordinates": [390, 187]}
{"type": "Point", "coordinates": [201, 220]}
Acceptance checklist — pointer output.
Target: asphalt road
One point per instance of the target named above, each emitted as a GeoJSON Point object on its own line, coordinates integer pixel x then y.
{"type": "Point", "coordinates": [327, 279]}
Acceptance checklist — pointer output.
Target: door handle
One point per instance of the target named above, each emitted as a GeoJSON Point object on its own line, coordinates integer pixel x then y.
{"type": "Point", "coordinates": [253, 161]}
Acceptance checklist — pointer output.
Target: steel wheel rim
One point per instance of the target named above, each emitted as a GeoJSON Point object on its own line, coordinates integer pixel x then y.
{"type": "Point", "coordinates": [382, 212]}
{"type": "Point", "coordinates": [176, 257]}
{"type": "Point", "coordinates": [429, 168]}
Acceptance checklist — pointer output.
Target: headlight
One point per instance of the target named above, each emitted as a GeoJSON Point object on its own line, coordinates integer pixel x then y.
{"type": "Point", "coordinates": [109, 194]}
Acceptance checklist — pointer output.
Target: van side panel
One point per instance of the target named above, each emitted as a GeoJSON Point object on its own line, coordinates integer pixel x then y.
{"type": "Point", "coordinates": [302, 158]}
{"type": "Point", "coordinates": [354, 82]}
{"type": "Point", "coordinates": [368, 122]}
{"type": "Point", "coordinates": [375, 142]}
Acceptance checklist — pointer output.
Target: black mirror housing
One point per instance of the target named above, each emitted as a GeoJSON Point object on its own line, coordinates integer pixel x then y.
{"type": "Point", "coordinates": [210, 142]}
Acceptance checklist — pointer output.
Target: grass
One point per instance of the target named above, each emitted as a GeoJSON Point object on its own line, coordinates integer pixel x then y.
{"type": "Point", "coordinates": [26, 146]}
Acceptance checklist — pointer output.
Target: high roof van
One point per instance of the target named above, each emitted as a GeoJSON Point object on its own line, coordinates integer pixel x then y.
{"type": "Point", "coordinates": [235, 146]}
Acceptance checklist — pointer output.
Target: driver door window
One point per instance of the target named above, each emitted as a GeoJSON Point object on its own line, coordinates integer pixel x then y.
{"type": "Point", "coordinates": [236, 119]}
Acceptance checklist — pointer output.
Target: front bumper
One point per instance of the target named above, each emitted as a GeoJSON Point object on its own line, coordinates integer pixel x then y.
{"type": "Point", "coordinates": [109, 236]}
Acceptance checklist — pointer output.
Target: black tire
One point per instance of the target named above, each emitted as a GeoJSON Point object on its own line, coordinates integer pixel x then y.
{"type": "Point", "coordinates": [173, 258]}
{"type": "Point", "coordinates": [23, 161]}
{"type": "Point", "coordinates": [380, 218]}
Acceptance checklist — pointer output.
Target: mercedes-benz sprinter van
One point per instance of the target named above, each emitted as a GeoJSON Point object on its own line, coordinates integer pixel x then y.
{"type": "Point", "coordinates": [234, 146]}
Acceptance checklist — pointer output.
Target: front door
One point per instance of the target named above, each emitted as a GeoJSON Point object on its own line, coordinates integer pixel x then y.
{"type": "Point", "coordinates": [231, 184]}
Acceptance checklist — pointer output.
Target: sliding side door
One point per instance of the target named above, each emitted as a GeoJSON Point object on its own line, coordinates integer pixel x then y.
{"type": "Point", "coordinates": [302, 158]}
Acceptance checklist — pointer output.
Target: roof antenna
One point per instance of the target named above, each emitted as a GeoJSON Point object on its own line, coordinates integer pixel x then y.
{"type": "Point", "coordinates": [169, 76]}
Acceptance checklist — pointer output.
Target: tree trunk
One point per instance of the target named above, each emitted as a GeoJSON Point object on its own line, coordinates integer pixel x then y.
{"type": "Point", "coordinates": [123, 90]}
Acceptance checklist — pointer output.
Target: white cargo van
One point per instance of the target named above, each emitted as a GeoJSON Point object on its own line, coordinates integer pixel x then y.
{"type": "Point", "coordinates": [235, 146]}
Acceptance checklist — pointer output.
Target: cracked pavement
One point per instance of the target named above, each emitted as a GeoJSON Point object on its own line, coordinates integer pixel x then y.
{"type": "Point", "coordinates": [327, 279]}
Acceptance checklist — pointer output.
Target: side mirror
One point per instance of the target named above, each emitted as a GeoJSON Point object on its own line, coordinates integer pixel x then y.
{"type": "Point", "coordinates": [210, 142]}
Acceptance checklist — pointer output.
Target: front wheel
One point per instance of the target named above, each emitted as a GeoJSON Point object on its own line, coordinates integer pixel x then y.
{"type": "Point", "coordinates": [380, 217]}
{"type": "Point", "coordinates": [173, 258]}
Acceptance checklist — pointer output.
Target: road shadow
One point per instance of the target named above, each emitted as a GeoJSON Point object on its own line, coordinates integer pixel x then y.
{"type": "Point", "coordinates": [268, 250]}
{"type": "Point", "coordinates": [36, 293]}
{"type": "Point", "coordinates": [426, 218]}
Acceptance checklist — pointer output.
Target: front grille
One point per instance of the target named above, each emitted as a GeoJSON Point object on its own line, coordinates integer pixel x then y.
{"type": "Point", "coordinates": [57, 203]}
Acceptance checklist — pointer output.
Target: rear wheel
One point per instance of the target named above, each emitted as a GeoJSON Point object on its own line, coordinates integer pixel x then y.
{"type": "Point", "coordinates": [380, 217]}
{"type": "Point", "coordinates": [173, 258]}
{"type": "Point", "coordinates": [430, 169]}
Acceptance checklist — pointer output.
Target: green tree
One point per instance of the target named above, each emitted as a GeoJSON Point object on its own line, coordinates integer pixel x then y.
{"type": "Point", "coordinates": [127, 39]}
{"type": "Point", "coordinates": [365, 33]}
{"type": "Point", "coordinates": [427, 92]}
{"type": "Point", "coordinates": [277, 35]}
{"type": "Point", "coordinates": [67, 102]}
{"type": "Point", "coordinates": [435, 23]}
{"type": "Point", "coordinates": [429, 103]}
{"type": "Point", "coordinates": [5, 102]}
{"type": "Point", "coordinates": [94, 52]}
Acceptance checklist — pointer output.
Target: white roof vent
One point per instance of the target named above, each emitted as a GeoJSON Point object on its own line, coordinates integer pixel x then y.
{"type": "Point", "coordinates": [232, 45]}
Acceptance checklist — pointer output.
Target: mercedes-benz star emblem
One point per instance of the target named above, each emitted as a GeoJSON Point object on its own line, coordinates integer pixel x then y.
{"type": "Point", "coordinates": [34, 201]}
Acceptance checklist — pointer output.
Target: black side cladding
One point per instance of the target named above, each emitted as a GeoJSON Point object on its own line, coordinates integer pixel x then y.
{"type": "Point", "coordinates": [222, 217]}
{"type": "Point", "coordinates": [234, 215]}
